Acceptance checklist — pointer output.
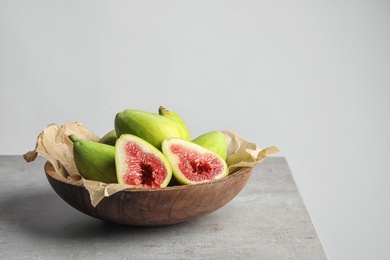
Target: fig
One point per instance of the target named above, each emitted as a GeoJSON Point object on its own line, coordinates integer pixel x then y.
{"type": "Point", "coordinates": [109, 138]}
{"type": "Point", "coordinates": [214, 141]}
{"type": "Point", "coordinates": [94, 161]}
{"type": "Point", "coordinates": [192, 163]}
{"type": "Point", "coordinates": [177, 118]}
{"type": "Point", "coordinates": [151, 127]}
{"type": "Point", "coordinates": [140, 164]}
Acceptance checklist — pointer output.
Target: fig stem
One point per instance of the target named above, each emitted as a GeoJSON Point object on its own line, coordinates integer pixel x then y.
{"type": "Point", "coordinates": [162, 110]}
{"type": "Point", "coordinates": [73, 138]}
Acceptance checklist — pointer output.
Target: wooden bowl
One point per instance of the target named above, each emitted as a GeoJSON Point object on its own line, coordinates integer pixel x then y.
{"type": "Point", "coordinates": [152, 207]}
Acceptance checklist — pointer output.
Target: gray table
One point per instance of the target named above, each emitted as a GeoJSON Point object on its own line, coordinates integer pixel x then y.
{"type": "Point", "coordinates": [267, 220]}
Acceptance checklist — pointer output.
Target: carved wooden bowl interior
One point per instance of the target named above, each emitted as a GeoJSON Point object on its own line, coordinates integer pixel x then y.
{"type": "Point", "coordinates": [152, 207]}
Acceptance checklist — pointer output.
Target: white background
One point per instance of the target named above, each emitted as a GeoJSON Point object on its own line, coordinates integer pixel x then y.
{"type": "Point", "coordinates": [311, 77]}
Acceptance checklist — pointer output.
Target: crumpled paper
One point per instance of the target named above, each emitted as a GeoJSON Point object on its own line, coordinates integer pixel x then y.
{"type": "Point", "coordinates": [54, 145]}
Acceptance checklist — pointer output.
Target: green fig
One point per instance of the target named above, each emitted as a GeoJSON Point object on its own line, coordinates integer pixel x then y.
{"type": "Point", "coordinates": [214, 141]}
{"type": "Point", "coordinates": [94, 161]}
{"type": "Point", "coordinates": [177, 118]}
{"type": "Point", "coordinates": [109, 138]}
{"type": "Point", "coordinates": [192, 163]}
{"type": "Point", "coordinates": [151, 127]}
{"type": "Point", "coordinates": [140, 164]}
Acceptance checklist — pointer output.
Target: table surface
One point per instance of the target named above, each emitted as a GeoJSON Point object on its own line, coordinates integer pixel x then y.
{"type": "Point", "coordinates": [267, 220]}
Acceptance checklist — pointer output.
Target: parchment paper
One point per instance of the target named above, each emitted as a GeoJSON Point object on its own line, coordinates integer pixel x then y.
{"type": "Point", "coordinates": [55, 146]}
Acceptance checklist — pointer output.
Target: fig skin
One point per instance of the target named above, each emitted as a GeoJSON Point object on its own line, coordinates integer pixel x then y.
{"type": "Point", "coordinates": [177, 118]}
{"type": "Point", "coordinates": [109, 138]}
{"type": "Point", "coordinates": [94, 161]}
{"type": "Point", "coordinates": [214, 141]}
{"type": "Point", "coordinates": [145, 162]}
{"type": "Point", "coordinates": [151, 127]}
{"type": "Point", "coordinates": [203, 166]}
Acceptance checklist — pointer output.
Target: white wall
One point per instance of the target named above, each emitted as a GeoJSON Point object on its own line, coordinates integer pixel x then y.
{"type": "Point", "coordinates": [311, 77]}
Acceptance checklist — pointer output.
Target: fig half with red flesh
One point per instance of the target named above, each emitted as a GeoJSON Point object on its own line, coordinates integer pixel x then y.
{"type": "Point", "coordinates": [192, 163]}
{"type": "Point", "coordinates": [140, 164]}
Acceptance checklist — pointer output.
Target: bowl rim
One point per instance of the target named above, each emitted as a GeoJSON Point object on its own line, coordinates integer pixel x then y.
{"type": "Point", "coordinates": [50, 171]}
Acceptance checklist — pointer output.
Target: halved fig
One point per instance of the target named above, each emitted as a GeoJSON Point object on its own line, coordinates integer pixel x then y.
{"type": "Point", "coordinates": [192, 163]}
{"type": "Point", "coordinates": [138, 163]}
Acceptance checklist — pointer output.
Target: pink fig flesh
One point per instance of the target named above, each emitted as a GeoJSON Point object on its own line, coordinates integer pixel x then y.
{"type": "Point", "coordinates": [192, 163]}
{"type": "Point", "coordinates": [141, 164]}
